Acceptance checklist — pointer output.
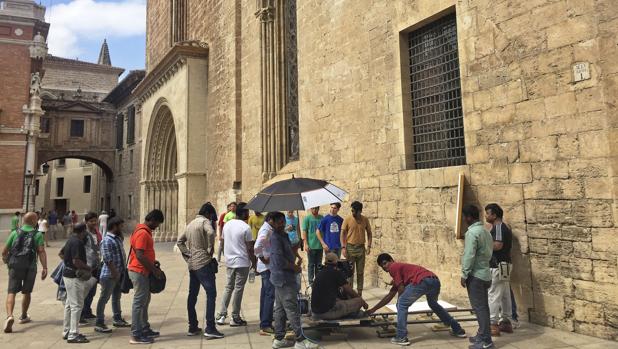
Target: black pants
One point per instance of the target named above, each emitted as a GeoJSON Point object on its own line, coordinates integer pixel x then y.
{"type": "Point", "coordinates": [477, 293]}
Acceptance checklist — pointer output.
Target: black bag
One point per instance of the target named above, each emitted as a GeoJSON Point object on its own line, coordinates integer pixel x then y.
{"type": "Point", "coordinates": [125, 282]}
{"type": "Point", "coordinates": [157, 285]}
{"type": "Point", "coordinates": [22, 253]}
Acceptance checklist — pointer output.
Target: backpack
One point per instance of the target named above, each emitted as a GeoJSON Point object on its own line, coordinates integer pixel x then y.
{"type": "Point", "coordinates": [23, 252]}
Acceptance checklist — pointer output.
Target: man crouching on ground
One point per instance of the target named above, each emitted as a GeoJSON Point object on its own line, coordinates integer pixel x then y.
{"type": "Point", "coordinates": [327, 302]}
{"type": "Point", "coordinates": [412, 282]}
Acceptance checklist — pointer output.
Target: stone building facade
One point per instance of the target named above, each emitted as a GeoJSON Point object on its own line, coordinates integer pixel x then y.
{"type": "Point", "coordinates": [80, 124]}
{"type": "Point", "coordinates": [391, 101]}
{"type": "Point", "coordinates": [128, 143]}
{"type": "Point", "coordinates": [21, 55]}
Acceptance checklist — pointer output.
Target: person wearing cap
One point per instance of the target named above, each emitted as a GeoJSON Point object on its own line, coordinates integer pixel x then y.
{"type": "Point", "coordinates": [412, 282]}
{"type": "Point", "coordinates": [332, 296]}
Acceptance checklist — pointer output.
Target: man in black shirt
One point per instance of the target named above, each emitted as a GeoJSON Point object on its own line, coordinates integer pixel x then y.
{"type": "Point", "coordinates": [500, 267]}
{"type": "Point", "coordinates": [329, 284]}
{"type": "Point", "coordinates": [77, 280]}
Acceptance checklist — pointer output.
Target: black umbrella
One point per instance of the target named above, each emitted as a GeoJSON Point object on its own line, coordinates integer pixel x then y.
{"type": "Point", "coordinates": [296, 194]}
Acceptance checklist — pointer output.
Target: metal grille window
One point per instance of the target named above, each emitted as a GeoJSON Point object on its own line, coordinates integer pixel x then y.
{"type": "Point", "coordinates": [131, 125]}
{"type": "Point", "coordinates": [119, 131]}
{"type": "Point", "coordinates": [437, 115]}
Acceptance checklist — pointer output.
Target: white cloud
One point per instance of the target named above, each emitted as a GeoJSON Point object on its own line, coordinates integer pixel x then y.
{"type": "Point", "coordinates": [80, 20]}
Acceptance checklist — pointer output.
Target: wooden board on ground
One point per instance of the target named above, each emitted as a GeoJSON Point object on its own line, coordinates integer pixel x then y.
{"type": "Point", "coordinates": [423, 306]}
{"type": "Point", "coordinates": [460, 197]}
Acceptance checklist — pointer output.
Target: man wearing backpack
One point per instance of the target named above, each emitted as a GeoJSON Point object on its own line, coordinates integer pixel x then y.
{"type": "Point", "coordinates": [19, 253]}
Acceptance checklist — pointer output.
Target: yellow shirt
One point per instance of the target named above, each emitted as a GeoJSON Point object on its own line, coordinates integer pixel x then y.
{"type": "Point", "coordinates": [354, 230]}
{"type": "Point", "coordinates": [255, 222]}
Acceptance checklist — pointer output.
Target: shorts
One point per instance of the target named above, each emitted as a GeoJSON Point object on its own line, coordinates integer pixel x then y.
{"type": "Point", "coordinates": [21, 281]}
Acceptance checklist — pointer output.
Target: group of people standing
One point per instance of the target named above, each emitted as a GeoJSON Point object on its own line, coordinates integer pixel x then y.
{"type": "Point", "coordinates": [266, 245]}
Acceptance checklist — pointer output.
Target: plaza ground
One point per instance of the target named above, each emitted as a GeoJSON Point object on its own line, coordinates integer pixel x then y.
{"type": "Point", "coordinates": [168, 315]}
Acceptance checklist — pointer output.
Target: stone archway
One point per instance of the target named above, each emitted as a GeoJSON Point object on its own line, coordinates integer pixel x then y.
{"type": "Point", "coordinates": [161, 164]}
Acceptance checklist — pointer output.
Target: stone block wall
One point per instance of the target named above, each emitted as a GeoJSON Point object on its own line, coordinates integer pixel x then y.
{"type": "Point", "coordinates": [537, 143]}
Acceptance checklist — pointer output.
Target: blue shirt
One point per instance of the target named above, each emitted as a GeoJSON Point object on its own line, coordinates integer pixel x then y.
{"type": "Point", "coordinates": [112, 251]}
{"type": "Point", "coordinates": [281, 256]}
{"type": "Point", "coordinates": [52, 219]}
{"type": "Point", "coordinates": [293, 234]}
{"type": "Point", "coordinates": [330, 228]}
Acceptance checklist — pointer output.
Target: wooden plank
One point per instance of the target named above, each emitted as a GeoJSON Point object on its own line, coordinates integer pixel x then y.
{"type": "Point", "coordinates": [460, 198]}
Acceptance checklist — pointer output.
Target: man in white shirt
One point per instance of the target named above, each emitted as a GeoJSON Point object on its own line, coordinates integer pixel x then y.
{"type": "Point", "coordinates": [239, 259]}
{"type": "Point", "coordinates": [103, 223]}
{"type": "Point", "coordinates": [267, 293]}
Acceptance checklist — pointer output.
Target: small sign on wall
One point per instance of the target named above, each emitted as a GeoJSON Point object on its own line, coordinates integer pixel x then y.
{"type": "Point", "coordinates": [581, 71]}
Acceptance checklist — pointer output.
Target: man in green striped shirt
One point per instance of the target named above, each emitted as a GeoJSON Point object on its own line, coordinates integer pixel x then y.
{"type": "Point", "coordinates": [475, 275]}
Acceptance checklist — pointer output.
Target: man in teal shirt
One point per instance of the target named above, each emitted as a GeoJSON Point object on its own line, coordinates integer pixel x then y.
{"type": "Point", "coordinates": [311, 242]}
{"type": "Point", "coordinates": [20, 281]}
{"type": "Point", "coordinates": [475, 274]}
{"type": "Point", "coordinates": [15, 221]}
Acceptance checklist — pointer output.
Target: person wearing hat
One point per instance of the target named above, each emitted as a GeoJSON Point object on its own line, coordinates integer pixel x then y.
{"type": "Point", "coordinates": [332, 296]}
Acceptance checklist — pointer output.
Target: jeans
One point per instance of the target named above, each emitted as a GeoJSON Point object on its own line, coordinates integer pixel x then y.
{"type": "Point", "coordinates": [109, 288]}
{"type": "Point", "coordinates": [478, 293]}
{"type": "Point", "coordinates": [87, 310]}
{"type": "Point", "coordinates": [236, 280]}
{"type": "Point", "coordinates": [430, 288]}
{"type": "Point", "coordinates": [286, 307]}
{"type": "Point", "coordinates": [314, 258]}
{"type": "Point", "coordinates": [141, 301]}
{"type": "Point", "coordinates": [514, 307]}
{"type": "Point", "coordinates": [267, 300]}
{"type": "Point", "coordinates": [499, 298]}
{"type": "Point", "coordinates": [342, 308]}
{"type": "Point", "coordinates": [205, 276]}
{"type": "Point", "coordinates": [356, 255]}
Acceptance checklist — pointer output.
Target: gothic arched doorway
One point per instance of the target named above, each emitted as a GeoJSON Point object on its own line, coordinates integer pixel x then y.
{"type": "Point", "coordinates": [161, 186]}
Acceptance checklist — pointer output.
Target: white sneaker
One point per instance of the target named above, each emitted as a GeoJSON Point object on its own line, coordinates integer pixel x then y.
{"type": "Point", "coordinates": [8, 324]}
{"type": "Point", "coordinates": [283, 343]}
{"type": "Point", "coordinates": [515, 324]}
{"type": "Point", "coordinates": [221, 320]}
{"type": "Point", "coordinates": [307, 344]}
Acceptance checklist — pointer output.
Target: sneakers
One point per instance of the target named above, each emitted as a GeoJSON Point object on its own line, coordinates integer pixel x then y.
{"type": "Point", "coordinates": [8, 324]}
{"type": "Point", "coordinates": [505, 326]}
{"type": "Point", "coordinates": [194, 331]}
{"type": "Point", "coordinates": [150, 333]}
{"type": "Point", "coordinates": [24, 319]}
{"type": "Point", "coordinates": [65, 336]}
{"type": "Point", "coordinates": [121, 323]}
{"type": "Point", "coordinates": [80, 338]}
{"type": "Point", "coordinates": [221, 320]}
{"type": "Point", "coordinates": [474, 339]}
{"type": "Point", "coordinates": [481, 345]}
{"type": "Point", "coordinates": [306, 344]}
{"type": "Point", "coordinates": [460, 333]}
{"type": "Point", "coordinates": [282, 343]}
{"type": "Point", "coordinates": [267, 331]}
{"type": "Point", "coordinates": [213, 334]}
{"type": "Point", "coordinates": [400, 341]}
{"type": "Point", "coordinates": [236, 322]}
{"type": "Point", "coordinates": [102, 328]}
{"type": "Point", "coordinates": [495, 330]}
{"type": "Point", "coordinates": [515, 324]}
{"type": "Point", "coordinates": [141, 340]}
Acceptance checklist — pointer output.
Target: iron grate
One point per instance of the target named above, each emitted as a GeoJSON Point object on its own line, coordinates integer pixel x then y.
{"type": "Point", "coordinates": [437, 114]}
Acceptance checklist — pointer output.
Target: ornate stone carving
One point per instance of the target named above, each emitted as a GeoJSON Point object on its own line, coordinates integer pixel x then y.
{"type": "Point", "coordinates": [35, 84]}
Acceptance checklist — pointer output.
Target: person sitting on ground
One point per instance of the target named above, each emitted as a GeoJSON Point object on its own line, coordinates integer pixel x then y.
{"type": "Point", "coordinates": [332, 296]}
{"type": "Point", "coordinates": [412, 282]}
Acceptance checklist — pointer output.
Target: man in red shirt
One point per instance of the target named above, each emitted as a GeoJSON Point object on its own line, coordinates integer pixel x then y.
{"type": "Point", "coordinates": [412, 282]}
{"type": "Point", "coordinates": [141, 264]}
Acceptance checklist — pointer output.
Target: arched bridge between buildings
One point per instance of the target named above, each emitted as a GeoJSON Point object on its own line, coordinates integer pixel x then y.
{"type": "Point", "coordinates": [79, 130]}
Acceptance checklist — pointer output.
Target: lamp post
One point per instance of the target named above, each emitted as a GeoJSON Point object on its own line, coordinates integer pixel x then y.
{"type": "Point", "coordinates": [28, 178]}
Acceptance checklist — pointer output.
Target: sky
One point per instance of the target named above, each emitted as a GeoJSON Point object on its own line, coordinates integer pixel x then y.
{"type": "Point", "coordinates": [78, 27]}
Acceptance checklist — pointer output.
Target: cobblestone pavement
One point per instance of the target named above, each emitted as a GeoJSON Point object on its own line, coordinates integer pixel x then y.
{"type": "Point", "coordinates": [168, 315]}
